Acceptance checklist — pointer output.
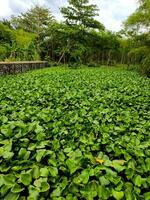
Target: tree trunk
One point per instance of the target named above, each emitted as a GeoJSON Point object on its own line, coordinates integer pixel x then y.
{"type": "Point", "coordinates": [109, 57]}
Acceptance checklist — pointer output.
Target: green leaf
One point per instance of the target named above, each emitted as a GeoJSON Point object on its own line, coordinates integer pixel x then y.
{"type": "Point", "coordinates": [6, 131]}
{"type": "Point", "coordinates": [8, 155]}
{"type": "Point", "coordinates": [1, 180]}
{"type": "Point", "coordinates": [147, 196]}
{"type": "Point", "coordinates": [9, 179]}
{"type": "Point", "coordinates": [26, 178]}
{"type": "Point", "coordinates": [33, 193]}
{"type": "Point", "coordinates": [84, 176]}
{"type": "Point", "coordinates": [128, 194]}
{"type": "Point", "coordinates": [40, 154]}
{"type": "Point", "coordinates": [23, 153]}
{"type": "Point", "coordinates": [53, 171]}
{"type": "Point", "coordinates": [40, 136]}
{"type": "Point", "coordinates": [72, 165]}
{"type": "Point", "coordinates": [117, 195]}
{"type": "Point", "coordinates": [44, 172]}
{"type": "Point", "coordinates": [44, 186]}
{"type": "Point", "coordinates": [118, 165]}
{"type": "Point", "coordinates": [52, 162]}
{"type": "Point", "coordinates": [35, 172]}
{"type": "Point", "coordinates": [4, 189]}
{"type": "Point", "coordinates": [16, 188]}
{"type": "Point", "coordinates": [90, 190]}
{"type": "Point", "coordinates": [104, 181]}
{"type": "Point", "coordinates": [103, 192]}
{"type": "Point", "coordinates": [37, 182]}
{"type": "Point", "coordinates": [11, 196]}
{"type": "Point", "coordinates": [138, 180]}
{"type": "Point", "coordinates": [56, 192]}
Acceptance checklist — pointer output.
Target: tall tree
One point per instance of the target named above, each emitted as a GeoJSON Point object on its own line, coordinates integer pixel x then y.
{"type": "Point", "coordinates": [140, 19]}
{"type": "Point", "coordinates": [80, 19]}
{"type": "Point", "coordinates": [138, 27]}
{"type": "Point", "coordinates": [35, 20]}
{"type": "Point", "coordinates": [80, 12]}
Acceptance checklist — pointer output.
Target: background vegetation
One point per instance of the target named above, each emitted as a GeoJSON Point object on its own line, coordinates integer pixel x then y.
{"type": "Point", "coordinates": [78, 39]}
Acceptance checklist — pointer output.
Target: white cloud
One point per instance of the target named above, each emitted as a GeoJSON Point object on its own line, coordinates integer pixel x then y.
{"type": "Point", "coordinates": [112, 12]}
{"type": "Point", "coordinates": [5, 10]}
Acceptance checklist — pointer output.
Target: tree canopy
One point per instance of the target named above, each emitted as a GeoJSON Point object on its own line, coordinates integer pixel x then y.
{"type": "Point", "coordinates": [79, 39]}
{"type": "Point", "coordinates": [138, 30]}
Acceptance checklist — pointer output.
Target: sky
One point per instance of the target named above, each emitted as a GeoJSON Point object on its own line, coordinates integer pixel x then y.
{"type": "Point", "coordinates": [112, 12]}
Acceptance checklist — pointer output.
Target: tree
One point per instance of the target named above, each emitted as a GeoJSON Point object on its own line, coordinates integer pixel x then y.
{"type": "Point", "coordinates": [80, 13]}
{"type": "Point", "coordinates": [17, 44]}
{"type": "Point", "coordinates": [35, 20]}
{"type": "Point", "coordinates": [80, 19]}
{"type": "Point", "coordinates": [138, 28]}
{"type": "Point", "coordinates": [140, 19]}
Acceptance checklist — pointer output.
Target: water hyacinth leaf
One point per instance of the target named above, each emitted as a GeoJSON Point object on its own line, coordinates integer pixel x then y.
{"type": "Point", "coordinates": [104, 181]}
{"type": "Point", "coordinates": [23, 153]}
{"type": "Point", "coordinates": [71, 197]}
{"type": "Point", "coordinates": [84, 176]}
{"type": "Point", "coordinates": [52, 162]}
{"type": "Point", "coordinates": [16, 188]}
{"type": "Point", "coordinates": [118, 194]}
{"type": "Point", "coordinates": [44, 186]}
{"type": "Point", "coordinates": [90, 190]}
{"type": "Point", "coordinates": [9, 179]}
{"type": "Point", "coordinates": [40, 154]}
{"type": "Point", "coordinates": [128, 194]}
{"type": "Point", "coordinates": [118, 166]}
{"type": "Point", "coordinates": [103, 192]}
{"type": "Point", "coordinates": [33, 193]}
{"type": "Point", "coordinates": [44, 172]}
{"type": "Point", "coordinates": [6, 131]}
{"type": "Point", "coordinates": [4, 168]}
{"type": "Point", "coordinates": [26, 178]}
{"type": "Point", "coordinates": [72, 165]}
{"type": "Point", "coordinates": [8, 155]}
{"type": "Point", "coordinates": [36, 172]}
{"type": "Point", "coordinates": [56, 192]}
{"type": "Point", "coordinates": [53, 171]}
{"type": "Point", "coordinates": [75, 134]}
{"type": "Point", "coordinates": [1, 180]}
{"type": "Point", "coordinates": [138, 180]}
{"type": "Point", "coordinates": [37, 182]}
{"type": "Point", "coordinates": [147, 196]}
{"type": "Point", "coordinates": [4, 190]}
{"type": "Point", "coordinates": [12, 196]}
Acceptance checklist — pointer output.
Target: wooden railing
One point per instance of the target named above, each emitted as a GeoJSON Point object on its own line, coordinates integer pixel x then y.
{"type": "Point", "coordinates": [19, 67]}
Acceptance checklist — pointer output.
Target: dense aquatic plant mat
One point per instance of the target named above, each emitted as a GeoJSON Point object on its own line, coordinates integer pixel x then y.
{"type": "Point", "coordinates": [75, 134]}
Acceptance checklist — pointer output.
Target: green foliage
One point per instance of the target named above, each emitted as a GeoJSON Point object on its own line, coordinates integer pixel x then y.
{"type": "Point", "coordinates": [80, 13]}
{"type": "Point", "coordinates": [17, 44]}
{"type": "Point", "coordinates": [75, 134]}
{"type": "Point", "coordinates": [34, 20]}
{"type": "Point", "coordinates": [137, 27]}
{"type": "Point", "coordinates": [79, 17]}
{"type": "Point", "coordinates": [140, 18]}
{"type": "Point", "coordinates": [3, 52]}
